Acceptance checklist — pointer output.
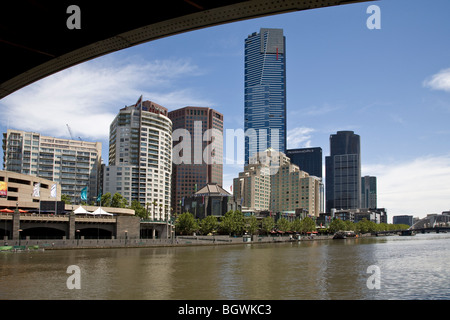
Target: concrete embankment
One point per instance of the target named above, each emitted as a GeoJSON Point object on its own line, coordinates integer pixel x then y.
{"type": "Point", "coordinates": [53, 244]}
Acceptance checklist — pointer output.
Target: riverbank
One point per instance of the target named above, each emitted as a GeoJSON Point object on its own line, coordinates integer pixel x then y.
{"type": "Point", "coordinates": [64, 244]}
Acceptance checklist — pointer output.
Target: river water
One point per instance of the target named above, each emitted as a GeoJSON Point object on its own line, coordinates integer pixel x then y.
{"type": "Point", "coordinates": [392, 267]}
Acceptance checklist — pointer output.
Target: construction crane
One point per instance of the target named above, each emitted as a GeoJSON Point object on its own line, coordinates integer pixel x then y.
{"type": "Point", "coordinates": [70, 131]}
{"type": "Point", "coordinates": [71, 135]}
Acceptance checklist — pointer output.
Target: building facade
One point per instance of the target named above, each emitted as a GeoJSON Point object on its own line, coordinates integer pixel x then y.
{"type": "Point", "coordinates": [140, 157]}
{"type": "Point", "coordinates": [307, 159]}
{"type": "Point", "coordinates": [198, 151]}
{"type": "Point", "coordinates": [73, 164]}
{"type": "Point", "coordinates": [369, 192]}
{"type": "Point", "coordinates": [404, 219]}
{"type": "Point", "coordinates": [272, 183]}
{"type": "Point", "coordinates": [265, 92]}
{"type": "Point", "coordinates": [211, 200]}
{"type": "Point", "coordinates": [343, 171]}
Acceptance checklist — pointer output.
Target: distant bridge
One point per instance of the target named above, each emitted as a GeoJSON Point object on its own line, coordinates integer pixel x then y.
{"type": "Point", "coordinates": [431, 223]}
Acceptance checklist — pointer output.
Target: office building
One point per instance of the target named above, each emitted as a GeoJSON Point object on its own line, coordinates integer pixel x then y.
{"type": "Point", "coordinates": [343, 171]}
{"type": "Point", "coordinates": [198, 157]}
{"type": "Point", "coordinates": [140, 157]}
{"type": "Point", "coordinates": [307, 159]}
{"type": "Point", "coordinates": [265, 92]}
{"type": "Point", "coordinates": [369, 192]}
{"type": "Point", "coordinates": [74, 164]}
{"type": "Point", "coordinates": [404, 219]}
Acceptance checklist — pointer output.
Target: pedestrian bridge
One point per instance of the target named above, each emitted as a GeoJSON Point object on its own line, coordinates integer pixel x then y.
{"type": "Point", "coordinates": [433, 223]}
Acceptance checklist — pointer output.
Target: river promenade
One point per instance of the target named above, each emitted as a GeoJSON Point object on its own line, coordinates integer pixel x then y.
{"type": "Point", "coordinates": [54, 244]}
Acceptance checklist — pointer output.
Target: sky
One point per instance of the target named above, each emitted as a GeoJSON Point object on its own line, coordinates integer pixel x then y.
{"type": "Point", "coordinates": [389, 85]}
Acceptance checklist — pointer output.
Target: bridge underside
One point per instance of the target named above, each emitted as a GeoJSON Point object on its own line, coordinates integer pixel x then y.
{"type": "Point", "coordinates": [36, 42]}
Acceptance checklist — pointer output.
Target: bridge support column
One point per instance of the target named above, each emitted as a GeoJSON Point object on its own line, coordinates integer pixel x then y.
{"type": "Point", "coordinates": [127, 227]}
{"type": "Point", "coordinates": [16, 225]}
{"type": "Point", "coordinates": [72, 226]}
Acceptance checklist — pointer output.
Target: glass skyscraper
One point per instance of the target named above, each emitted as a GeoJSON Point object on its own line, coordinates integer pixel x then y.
{"type": "Point", "coordinates": [265, 92]}
{"type": "Point", "coordinates": [343, 172]}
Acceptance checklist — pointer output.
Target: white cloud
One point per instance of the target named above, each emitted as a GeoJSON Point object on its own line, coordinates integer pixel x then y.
{"type": "Point", "coordinates": [416, 187]}
{"type": "Point", "coordinates": [439, 81]}
{"type": "Point", "coordinates": [88, 96]}
{"type": "Point", "coordinates": [299, 137]}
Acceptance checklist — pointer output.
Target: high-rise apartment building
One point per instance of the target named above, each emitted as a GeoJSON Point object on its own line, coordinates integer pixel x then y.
{"type": "Point", "coordinates": [272, 182]}
{"type": "Point", "coordinates": [343, 171]}
{"type": "Point", "coordinates": [369, 192]}
{"type": "Point", "coordinates": [140, 157]}
{"type": "Point", "coordinates": [265, 92]}
{"type": "Point", "coordinates": [198, 151]}
{"type": "Point", "coordinates": [74, 164]}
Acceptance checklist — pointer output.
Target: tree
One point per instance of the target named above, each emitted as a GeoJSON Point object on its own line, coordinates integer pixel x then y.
{"type": "Point", "coordinates": [296, 225]}
{"type": "Point", "coordinates": [138, 209]}
{"type": "Point", "coordinates": [307, 225]}
{"type": "Point", "coordinates": [233, 222]}
{"type": "Point", "coordinates": [337, 225]}
{"type": "Point", "coordinates": [66, 198]}
{"type": "Point", "coordinates": [251, 224]}
{"type": "Point", "coordinates": [118, 201]}
{"type": "Point", "coordinates": [105, 200]}
{"type": "Point", "coordinates": [283, 224]}
{"type": "Point", "coordinates": [208, 224]}
{"type": "Point", "coordinates": [186, 223]}
{"type": "Point", "coordinates": [268, 224]}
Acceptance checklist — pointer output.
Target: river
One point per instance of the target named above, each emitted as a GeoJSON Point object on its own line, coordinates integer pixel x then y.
{"type": "Point", "coordinates": [375, 268]}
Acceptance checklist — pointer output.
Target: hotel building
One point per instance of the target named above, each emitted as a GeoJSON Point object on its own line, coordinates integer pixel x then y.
{"type": "Point", "coordinates": [73, 164]}
{"type": "Point", "coordinates": [272, 182]}
{"type": "Point", "coordinates": [140, 157]}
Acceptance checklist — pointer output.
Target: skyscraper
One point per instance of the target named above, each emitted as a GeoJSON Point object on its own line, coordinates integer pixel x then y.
{"type": "Point", "coordinates": [265, 92]}
{"type": "Point", "coordinates": [74, 164]}
{"type": "Point", "coordinates": [343, 171]}
{"type": "Point", "coordinates": [199, 159]}
{"type": "Point", "coordinates": [307, 159]}
{"type": "Point", "coordinates": [140, 157]}
{"type": "Point", "coordinates": [369, 192]}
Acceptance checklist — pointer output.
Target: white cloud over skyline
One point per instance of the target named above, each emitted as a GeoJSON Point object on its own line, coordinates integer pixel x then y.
{"type": "Point", "coordinates": [415, 187]}
{"type": "Point", "coordinates": [88, 96]}
{"type": "Point", "coordinates": [439, 81]}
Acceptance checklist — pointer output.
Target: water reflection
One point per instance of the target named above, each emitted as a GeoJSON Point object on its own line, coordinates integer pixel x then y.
{"type": "Point", "coordinates": [411, 268]}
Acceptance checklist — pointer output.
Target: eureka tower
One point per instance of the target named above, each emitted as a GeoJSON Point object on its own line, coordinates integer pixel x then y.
{"type": "Point", "coordinates": [265, 92]}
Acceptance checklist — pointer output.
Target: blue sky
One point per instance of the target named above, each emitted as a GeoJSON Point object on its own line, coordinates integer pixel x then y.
{"type": "Point", "coordinates": [391, 86]}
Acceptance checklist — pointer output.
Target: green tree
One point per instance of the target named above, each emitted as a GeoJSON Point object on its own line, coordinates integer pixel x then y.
{"type": "Point", "coordinates": [186, 223]}
{"type": "Point", "coordinates": [349, 225]}
{"type": "Point", "coordinates": [118, 201]}
{"type": "Point", "coordinates": [283, 224]}
{"type": "Point", "coordinates": [138, 209]}
{"type": "Point", "coordinates": [208, 224]}
{"type": "Point", "coordinates": [233, 222]}
{"type": "Point", "coordinates": [105, 200]}
{"type": "Point", "coordinates": [296, 225]}
{"type": "Point", "coordinates": [307, 225]}
{"type": "Point", "coordinates": [251, 224]}
{"type": "Point", "coordinates": [268, 224]}
{"type": "Point", "coordinates": [336, 225]}
{"type": "Point", "coordinates": [66, 198]}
